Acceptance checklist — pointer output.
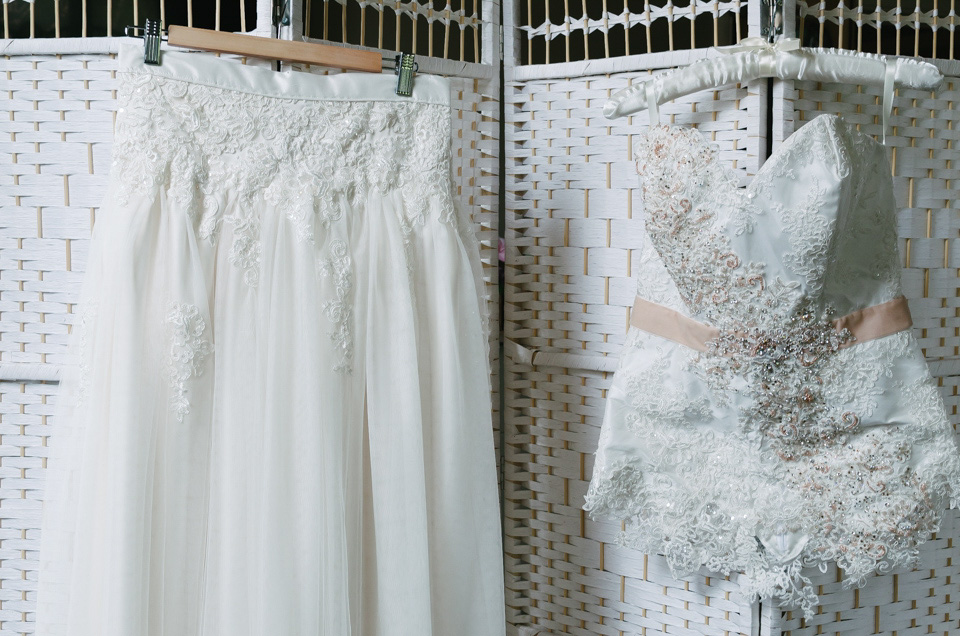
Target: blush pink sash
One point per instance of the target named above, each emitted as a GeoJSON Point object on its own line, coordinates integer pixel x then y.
{"type": "Point", "coordinates": [865, 324]}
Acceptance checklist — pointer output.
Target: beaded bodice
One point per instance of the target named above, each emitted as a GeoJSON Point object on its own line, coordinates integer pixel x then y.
{"type": "Point", "coordinates": [780, 445]}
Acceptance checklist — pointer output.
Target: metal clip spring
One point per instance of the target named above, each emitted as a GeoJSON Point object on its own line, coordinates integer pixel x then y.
{"type": "Point", "coordinates": [152, 35]}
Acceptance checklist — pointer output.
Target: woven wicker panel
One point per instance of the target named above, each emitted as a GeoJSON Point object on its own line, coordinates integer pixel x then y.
{"type": "Point", "coordinates": [25, 423]}
{"type": "Point", "coordinates": [54, 161]}
{"type": "Point", "coordinates": [93, 18]}
{"type": "Point", "coordinates": [909, 27]}
{"type": "Point", "coordinates": [551, 31]}
{"type": "Point", "coordinates": [435, 28]}
{"type": "Point", "coordinates": [573, 225]}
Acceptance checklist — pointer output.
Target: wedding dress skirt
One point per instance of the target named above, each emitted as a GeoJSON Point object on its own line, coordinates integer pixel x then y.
{"type": "Point", "coordinates": [279, 418]}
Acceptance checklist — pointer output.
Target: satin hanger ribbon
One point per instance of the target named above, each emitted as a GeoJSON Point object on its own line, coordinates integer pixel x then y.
{"type": "Point", "coordinates": [888, 78]}
{"type": "Point", "coordinates": [652, 107]}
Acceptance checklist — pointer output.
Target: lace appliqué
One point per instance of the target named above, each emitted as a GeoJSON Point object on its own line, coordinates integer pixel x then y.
{"type": "Point", "coordinates": [340, 311]}
{"type": "Point", "coordinates": [188, 349]}
{"type": "Point", "coordinates": [312, 158]}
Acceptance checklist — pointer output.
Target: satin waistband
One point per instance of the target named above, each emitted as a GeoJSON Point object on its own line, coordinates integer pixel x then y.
{"type": "Point", "coordinates": [208, 70]}
{"type": "Point", "coordinates": [865, 324]}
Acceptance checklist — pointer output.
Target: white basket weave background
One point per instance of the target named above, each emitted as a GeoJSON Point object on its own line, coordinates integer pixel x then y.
{"type": "Point", "coordinates": [55, 142]}
{"type": "Point", "coordinates": [573, 223]}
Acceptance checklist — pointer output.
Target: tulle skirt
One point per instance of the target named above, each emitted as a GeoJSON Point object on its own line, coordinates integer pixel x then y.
{"type": "Point", "coordinates": [278, 419]}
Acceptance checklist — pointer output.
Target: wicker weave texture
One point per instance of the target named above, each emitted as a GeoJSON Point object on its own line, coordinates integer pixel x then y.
{"type": "Point", "coordinates": [573, 224]}
{"type": "Point", "coordinates": [55, 146]}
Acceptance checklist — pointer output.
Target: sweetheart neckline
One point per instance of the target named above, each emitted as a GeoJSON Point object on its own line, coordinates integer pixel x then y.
{"type": "Point", "coordinates": [779, 151]}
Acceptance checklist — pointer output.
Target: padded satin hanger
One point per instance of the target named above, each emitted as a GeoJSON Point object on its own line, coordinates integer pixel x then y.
{"type": "Point", "coordinates": [755, 58]}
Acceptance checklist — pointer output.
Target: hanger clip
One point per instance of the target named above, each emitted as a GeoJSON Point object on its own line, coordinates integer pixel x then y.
{"type": "Point", "coordinates": [405, 68]}
{"type": "Point", "coordinates": [152, 35]}
{"type": "Point", "coordinates": [151, 42]}
{"type": "Point", "coordinates": [771, 19]}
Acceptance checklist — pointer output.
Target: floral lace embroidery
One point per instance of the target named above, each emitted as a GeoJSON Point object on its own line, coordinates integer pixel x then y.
{"type": "Point", "coordinates": [188, 349]}
{"type": "Point", "coordinates": [340, 311]}
{"type": "Point", "coordinates": [311, 158]}
{"type": "Point", "coordinates": [816, 480]}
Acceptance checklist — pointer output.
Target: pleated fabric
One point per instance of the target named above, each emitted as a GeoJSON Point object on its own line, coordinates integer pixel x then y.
{"type": "Point", "coordinates": [278, 419]}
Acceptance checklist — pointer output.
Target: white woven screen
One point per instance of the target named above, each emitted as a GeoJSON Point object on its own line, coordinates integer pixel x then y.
{"type": "Point", "coordinates": [899, 27]}
{"type": "Point", "coordinates": [54, 159]}
{"type": "Point", "coordinates": [552, 31]}
{"type": "Point", "coordinates": [94, 18]}
{"type": "Point", "coordinates": [573, 228]}
{"type": "Point", "coordinates": [451, 29]}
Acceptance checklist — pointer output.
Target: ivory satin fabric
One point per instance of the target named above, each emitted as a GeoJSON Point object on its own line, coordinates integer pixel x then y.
{"type": "Point", "coordinates": [279, 418]}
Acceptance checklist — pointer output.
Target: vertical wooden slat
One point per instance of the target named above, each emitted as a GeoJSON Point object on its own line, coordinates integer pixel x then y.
{"type": "Point", "coordinates": [243, 15]}
{"type": "Point", "coordinates": [446, 33]}
{"type": "Point", "coordinates": [840, 16]}
{"type": "Point", "coordinates": [716, 22]}
{"type": "Point", "coordinates": [859, 25]}
{"type": "Point", "coordinates": [363, 26]}
{"type": "Point", "coordinates": [416, 23]}
{"type": "Point", "coordinates": [56, 18]}
{"type": "Point", "coordinates": [136, 12]}
{"type": "Point", "coordinates": [737, 21]}
{"type": "Point", "coordinates": [899, 19]}
{"type": "Point", "coordinates": [670, 24]}
{"type": "Point", "coordinates": [530, 37]}
{"type": "Point", "coordinates": [606, 31]}
{"type": "Point", "coordinates": [649, 26]}
{"type": "Point", "coordinates": [953, 25]}
{"type": "Point", "coordinates": [823, 22]}
{"type": "Point", "coordinates": [6, 21]}
{"type": "Point", "coordinates": [430, 30]}
{"type": "Point", "coordinates": [936, 25]}
{"type": "Point", "coordinates": [566, 12]}
{"type": "Point", "coordinates": [693, 24]}
{"type": "Point", "coordinates": [586, 32]}
{"type": "Point", "coordinates": [326, 23]}
{"type": "Point", "coordinates": [380, 28]}
{"type": "Point", "coordinates": [476, 33]}
{"type": "Point", "coordinates": [626, 33]}
{"type": "Point", "coordinates": [916, 36]}
{"type": "Point", "coordinates": [33, 20]}
{"type": "Point", "coordinates": [83, 18]}
{"type": "Point", "coordinates": [878, 27]}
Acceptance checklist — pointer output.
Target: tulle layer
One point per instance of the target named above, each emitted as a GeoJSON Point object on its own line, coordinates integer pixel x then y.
{"type": "Point", "coordinates": [267, 431]}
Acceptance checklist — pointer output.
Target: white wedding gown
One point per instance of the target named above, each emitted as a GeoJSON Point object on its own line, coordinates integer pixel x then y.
{"type": "Point", "coordinates": [746, 430]}
{"type": "Point", "coordinates": [279, 423]}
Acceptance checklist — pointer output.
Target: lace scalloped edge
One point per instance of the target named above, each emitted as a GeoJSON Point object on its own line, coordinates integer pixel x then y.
{"type": "Point", "coordinates": [786, 583]}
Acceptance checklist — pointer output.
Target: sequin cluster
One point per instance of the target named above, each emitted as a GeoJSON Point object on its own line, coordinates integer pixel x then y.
{"type": "Point", "coordinates": [683, 224]}
{"type": "Point", "coordinates": [783, 368]}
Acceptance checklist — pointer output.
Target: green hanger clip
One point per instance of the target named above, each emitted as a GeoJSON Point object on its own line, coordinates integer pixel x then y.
{"type": "Point", "coordinates": [405, 68]}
